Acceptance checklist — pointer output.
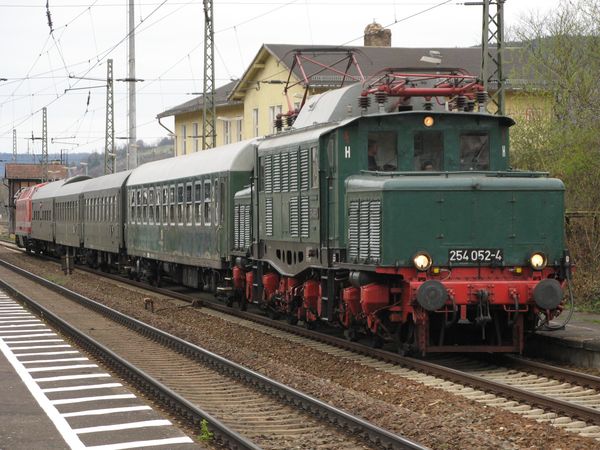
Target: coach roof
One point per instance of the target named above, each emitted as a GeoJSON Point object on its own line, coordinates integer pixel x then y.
{"type": "Point", "coordinates": [238, 157]}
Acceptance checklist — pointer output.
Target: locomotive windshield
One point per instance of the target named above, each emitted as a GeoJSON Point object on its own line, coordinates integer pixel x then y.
{"type": "Point", "coordinates": [474, 151]}
{"type": "Point", "coordinates": [429, 150]}
{"type": "Point", "coordinates": [382, 151]}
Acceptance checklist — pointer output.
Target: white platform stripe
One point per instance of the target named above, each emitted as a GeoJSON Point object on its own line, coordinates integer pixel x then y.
{"type": "Point", "coordinates": [72, 377]}
{"type": "Point", "coordinates": [20, 320]}
{"type": "Point", "coordinates": [70, 437]}
{"type": "Point", "coordinates": [22, 336]}
{"type": "Point", "coordinates": [53, 368]}
{"type": "Point", "coordinates": [64, 352]}
{"type": "Point", "coordinates": [9, 332]}
{"type": "Point", "coordinates": [123, 426]}
{"type": "Point", "coordinates": [22, 326]}
{"type": "Point", "coordinates": [34, 341]}
{"type": "Point", "coordinates": [97, 398]}
{"type": "Point", "coordinates": [99, 412]}
{"type": "Point", "coordinates": [83, 387]}
{"type": "Point", "coordinates": [33, 347]}
{"type": "Point", "coordinates": [39, 361]}
{"type": "Point", "coordinates": [140, 444]}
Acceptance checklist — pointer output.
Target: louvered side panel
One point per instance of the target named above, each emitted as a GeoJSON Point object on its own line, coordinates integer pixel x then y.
{"type": "Point", "coordinates": [269, 216]}
{"type": "Point", "coordinates": [236, 227]}
{"type": "Point", "coordinates": [353, 218]}
{"type": "Point", "coordinates": [277, 173]}
{"type": "Point", "coordinates": [247, 227]}
{"type": "Point", "coordinates": [374, 232]}
{"type": "Point", "coordinates": [304, 170]}
{"type": "Point", "coordinates": [363, 231]}
{"type": "Point", "coordinates": [285, 175]}
{"type": "Point", "coordinates": [304, 217]}
{"type": "Point", "coordinates": [268, 174]}
{"type": "Point", "coordinates": [294, 172]}
{"type": "Point", "coordinates": [294, 218]}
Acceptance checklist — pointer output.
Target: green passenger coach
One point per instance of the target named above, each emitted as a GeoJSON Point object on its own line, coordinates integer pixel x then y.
{"type": "Point", "coordinates": [179, 213]}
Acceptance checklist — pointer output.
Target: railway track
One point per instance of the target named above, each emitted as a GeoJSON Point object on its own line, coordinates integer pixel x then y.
{"type": "Point", "coordinates": [243, 408]}
{"type": "Point", "coordinates": [564, 398]}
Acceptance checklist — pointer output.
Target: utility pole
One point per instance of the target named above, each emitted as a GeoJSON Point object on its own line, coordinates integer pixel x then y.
{"type": "Point", "coordinates": [132, 159]}
{"type": "Point", "coordinates": [14, 144]}
{"type": "Point", "coordinates": [492, 37]}
{"type": "Point", "coordinates": [109, 137]}
{"type": "Point", "coordinates": [209, 115]}
{"type": "Point", "coordinates": [44, 160]}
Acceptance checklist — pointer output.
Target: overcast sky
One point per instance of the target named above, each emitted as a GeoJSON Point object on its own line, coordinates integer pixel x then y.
{"type": "Point", "coordinates": [39, 66]}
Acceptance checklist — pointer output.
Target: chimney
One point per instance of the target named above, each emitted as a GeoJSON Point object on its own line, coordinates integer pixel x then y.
{"type": "Point", "coordinates": [377, 36]}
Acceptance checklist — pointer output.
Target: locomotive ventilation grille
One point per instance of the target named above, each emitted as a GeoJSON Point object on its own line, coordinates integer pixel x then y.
{"type": "Point", "coordinates": [299, 217]}
{"type": "Point", "coordinates": [286, 172]}
{"type": "Point", "coordinates": [269, 216]}
{"type": "Point", "coordinates": [364, 231]}
{"type": "Point", "coordinates": [241, 227]}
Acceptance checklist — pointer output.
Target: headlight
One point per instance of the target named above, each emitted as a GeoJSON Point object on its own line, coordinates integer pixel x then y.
{"type": "Point", "coordinates": [537, 261]}
{"type": "Point", "coordinates": [422, 261]}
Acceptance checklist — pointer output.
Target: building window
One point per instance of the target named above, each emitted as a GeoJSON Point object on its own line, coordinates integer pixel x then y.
{"type": "Point", "coordinates": [227, 131]}
{"type": "Point", "coordinates": [240, 130]}
{"type": "Point", "coordinates": [273, 111]}
{"type": "Point", "coordinates": [255, 122]}
{"type": "Point", "coordinates": [184, 139]}
{"type": "Point", "coordinates": [196, 135]}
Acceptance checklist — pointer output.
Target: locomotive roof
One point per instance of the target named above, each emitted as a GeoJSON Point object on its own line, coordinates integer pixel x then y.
{"type": "Point", "coordinates": [237, 157]}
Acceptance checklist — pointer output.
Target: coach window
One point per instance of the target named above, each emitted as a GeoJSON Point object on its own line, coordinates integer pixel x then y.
{"type": "Point", "coordinates": [157, 206]}
{"type": "Point", "coordinates": [188, 203]}
{"type": "Point", "coordinates": [132, 206]}
{"type": "Point", "coordinates": [474, 151]}
{"type": "Point", "coordinates": [216, 197]}
{"type": "Point", "coordinates": [180, 211]}
{"type": "Point", "coordinates": [172, 204]}
{"type": "Point", "coordinates": [165, 205]}
{"type": "Point", "coordinates": [151, 206]}
{"type": "Point", "coordinates": [429, 150]}
{"type": "Point", "coordinates": [198, 202]}
{"type": "Point", "coordinates": [222, 201]}
{"type": "Point", "coordinates": [207, 199]}
{"type": "Point", "coordinates": [138, 206]}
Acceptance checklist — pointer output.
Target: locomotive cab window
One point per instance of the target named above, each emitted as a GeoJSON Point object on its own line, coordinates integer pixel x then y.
{"type": "Point", "coordinates": [382, 151]}
{"type": "Point", "coordinates": [474, 151]}
{"type": "Point", "coordinates": [429, 150]}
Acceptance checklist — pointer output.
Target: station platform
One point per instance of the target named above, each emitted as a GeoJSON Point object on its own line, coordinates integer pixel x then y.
{"type": "Point", "coordinates": [54, 397]}
{"type": "Point", "coordinates": [578, 343]}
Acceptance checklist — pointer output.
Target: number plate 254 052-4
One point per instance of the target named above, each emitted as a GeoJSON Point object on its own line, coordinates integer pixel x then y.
{"type": "Point", "coordinates": [475, 255]}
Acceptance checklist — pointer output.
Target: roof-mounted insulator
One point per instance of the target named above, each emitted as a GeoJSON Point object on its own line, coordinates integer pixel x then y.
{"type": "Point", "coordinates": [289, 120]}
{"type": "Point", "coordinates": [461, 101]}
{"type": "Point", "coordinates": [364, 102]}
{"type": "Point", "coordinates": [470, 105]}
{"type": "Point", "coordinates": [482, 100]}
{"type": "Point", "coordinates": [428, 106]}
{"type": "Point", "coordinates": [279, 123]}
{"type": "Point", "coordinates": [380, 98]}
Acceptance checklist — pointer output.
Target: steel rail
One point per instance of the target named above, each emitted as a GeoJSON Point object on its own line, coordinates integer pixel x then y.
{"type": "Point", "coordinates": [356, 425]}
{"type": "Point", "coordinates": [156, 390]}
{"type": "Point", "coordinates": [514, 393]}
{"type": "Point", "coordinates": [521, 395]}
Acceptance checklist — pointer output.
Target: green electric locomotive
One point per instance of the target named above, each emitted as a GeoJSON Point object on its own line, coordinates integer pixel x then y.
{"type": "Point", "coordinates": [401, 221]}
